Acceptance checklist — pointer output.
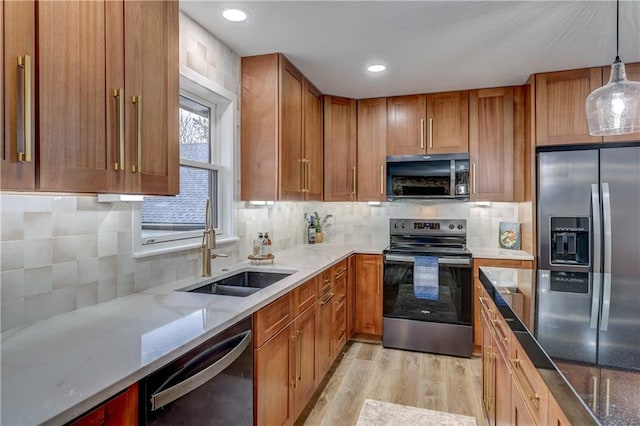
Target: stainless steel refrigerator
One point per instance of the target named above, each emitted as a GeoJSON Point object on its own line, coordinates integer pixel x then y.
{"type": "Point", "coordinates": [589, 255]}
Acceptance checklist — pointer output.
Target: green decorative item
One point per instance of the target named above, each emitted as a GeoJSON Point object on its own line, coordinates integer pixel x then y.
{"type": "Point", "coordinates": [319, 224]}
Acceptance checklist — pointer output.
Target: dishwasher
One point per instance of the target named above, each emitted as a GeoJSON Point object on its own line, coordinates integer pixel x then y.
{"type": "Point", "coordinates": [210, 385]}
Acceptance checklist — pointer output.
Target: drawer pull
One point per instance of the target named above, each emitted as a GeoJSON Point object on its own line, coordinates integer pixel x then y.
{"type": "Point", "coordinates": [118, 94]}
{"type": "Point", "coordinates": [523, 382]}
{"type": "Point", "coordinates": [324, 302]}
{"type": "Point", "coordinates": [137, 102]}
{"type": "Point", "coordinates": [484, 305]}
{"type": "Point", "coordinates": [24, 139]}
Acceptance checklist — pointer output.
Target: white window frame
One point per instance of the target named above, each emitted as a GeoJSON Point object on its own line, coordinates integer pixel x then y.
{"type": "Point", "coordinates": [224, 125]}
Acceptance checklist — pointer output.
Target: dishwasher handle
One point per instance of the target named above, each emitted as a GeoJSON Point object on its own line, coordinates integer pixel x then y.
{"type": "Point", "coordinates": [162, 397]}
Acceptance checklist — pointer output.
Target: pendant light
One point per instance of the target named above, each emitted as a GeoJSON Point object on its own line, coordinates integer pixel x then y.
{"type": "Point", "coordinates": [614, 109]}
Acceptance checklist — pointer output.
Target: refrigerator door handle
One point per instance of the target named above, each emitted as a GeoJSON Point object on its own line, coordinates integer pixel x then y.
{"type": "Point", "coordinates": [597, 226]}
{"type": "Point", "coordinates": [606, 302]}
{"type": "Point", "coordinates": [595, 300]}
{"type": "Point", "coordinates": [606, 222]}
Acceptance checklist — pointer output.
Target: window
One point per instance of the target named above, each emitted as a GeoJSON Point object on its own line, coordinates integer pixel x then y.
{"type": "Point", "coordinates": [206, 164]}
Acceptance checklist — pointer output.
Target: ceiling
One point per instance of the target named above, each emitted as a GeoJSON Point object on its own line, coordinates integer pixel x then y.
{"type": "Point", "coordinates": [427, 46]}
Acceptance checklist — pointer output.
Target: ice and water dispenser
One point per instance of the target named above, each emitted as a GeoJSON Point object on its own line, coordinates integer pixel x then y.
{"type": "Point", "coordinates": [570, 241]}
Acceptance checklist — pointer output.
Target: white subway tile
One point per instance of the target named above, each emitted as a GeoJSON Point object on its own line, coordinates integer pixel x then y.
{"type": "Point", "coordinates": [12, 313]}
{"type": "Point", "coordinates": [108, 267]}
{"type": "Point", "coordinates": [38, 280]}
{"type": "Point", "coordinates": [64, 249]}
{"type": "Point", "coordinates": [64, 204]}
{"type": "Point", "coordinates": [125, 285]}
{"type": "Point", "coordinates": [11, 226]}
{"type": "Point", "coordinates": [107, 244]}
{"type": "Point", "coordinates": [88, 271]}
{"type": "Point", "coordinates": [87, 246]}
{"type": "Point", "coordinates": [87, 294]}
{"type": "Point", "coordinates": [37, 253]}
{"type": "Point", "coordinates": [38, 307]}
{"type": "Point", "coordinates": [12, 284]}
{"type": "Point", "coordinates": [65, 275]}
{"type": "Point", "coordinates": [64, 223]}
{"type": "Point", "coordinates": [64, 300]}
{"type": "Point", "coordinates": [38, 225]}
{"type": "Point", "coordinates": [107, 289]}
{"type": "Point", "coordinates": [11, 255]}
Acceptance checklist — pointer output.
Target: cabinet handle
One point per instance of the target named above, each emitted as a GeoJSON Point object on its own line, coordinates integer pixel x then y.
{"type": "Point", "coordinates": [137, 102]}
{"type": "Point", "coordinates": [299, 355]}
{"type": "Point", "coordinates": [119, 95]}
{"type": "Point", "coordinates": [430, 133]}
{"type": "Point", "coordinates": [382, 179]}
{"type": "Point", "coordinates": [422, 133]}
{"type": "Point", "coordinates": [523, 382]}
{"type": "Point", "coordinates": [23, 142]}
{"type": "Point", "coordinates": [594, 403]}
{"type": "Point", "coordinates": [325, 301]}
{"type": "Point", "coordinates": [379, 277]}
{"type": "Point", "coordinates": [355, 185]}
{"type": "Point", "coordinates": [484, 305]}
{"type": "Point", "coordinates": [496, 327]}
{"type": "Point", "coordinates": [307, 163]}
{"type": "Point", "coordinates": [292, 363]}
{"type": "Point", "coordinates": [340, 272]}
{"type": "Point", "coordinates": [473, 178]}
{"type": "Point", "coordinates": [303, 182]}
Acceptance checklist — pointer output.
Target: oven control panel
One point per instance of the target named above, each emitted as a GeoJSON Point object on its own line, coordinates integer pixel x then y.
{"type": "Point", "coordinates": [427, 226]}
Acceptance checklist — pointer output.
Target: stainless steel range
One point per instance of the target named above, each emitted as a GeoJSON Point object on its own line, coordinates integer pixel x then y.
{"type": "Point", "coordinates": [427, 296]}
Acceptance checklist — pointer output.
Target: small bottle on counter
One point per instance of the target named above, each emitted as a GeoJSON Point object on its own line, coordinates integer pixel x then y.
{"type": "Point", "coordinates": [257, 245]}
{"type": "Point", "coordinates": [311, 231]}
{"type": "Point", "coordinates": [266, 245]}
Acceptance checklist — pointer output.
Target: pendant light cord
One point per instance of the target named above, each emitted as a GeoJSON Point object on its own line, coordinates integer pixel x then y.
{"type": "Point", "coordinates": [617, 31]}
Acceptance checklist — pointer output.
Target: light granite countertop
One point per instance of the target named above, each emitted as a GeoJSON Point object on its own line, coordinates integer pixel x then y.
{"type": "Point", "coordinates": [498, 253]}
{"type": "Point", "coordinates": [56, 369]}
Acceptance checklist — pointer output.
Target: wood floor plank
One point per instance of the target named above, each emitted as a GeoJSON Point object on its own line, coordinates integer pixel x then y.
{"type": "Point", "coordinates": [369, 371]}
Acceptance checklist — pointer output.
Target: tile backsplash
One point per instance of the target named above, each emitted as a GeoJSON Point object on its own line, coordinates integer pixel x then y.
{"type": "Point", "coordinates": [63, 252]}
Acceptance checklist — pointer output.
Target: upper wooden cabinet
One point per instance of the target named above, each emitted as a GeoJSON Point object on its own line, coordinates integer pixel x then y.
{"type": "Point", "coordinates": [406, 125]}
{"type": "Point", "coordinates": [340, 147]}
{"type": "Point", "coordinates": [17, 94]}
{"type": "Point", "coordinates": [372, 149]}
{"type": "Point", "coordinates": [281, 131]}
{"type": "Point", "coordinates": [561, 117]}
{"type": "Point", "coordinates": [633, 73]}
{"type": "Point", "coordinates": [108, 96]}
{"type": "Point", "coordinates": [448, 122]}
{"type": "Point", "coordinates": [433, 124]}
{"type": "Point", "coordinates": [494, 133]}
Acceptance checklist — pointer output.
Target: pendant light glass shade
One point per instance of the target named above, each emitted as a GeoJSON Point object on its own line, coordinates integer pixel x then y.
{"type": "Point", "coordinates": [614, 109]}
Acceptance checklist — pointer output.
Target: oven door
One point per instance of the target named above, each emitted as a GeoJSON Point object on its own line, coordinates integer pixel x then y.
{"type": "Point", "coordinates": [450, 304]}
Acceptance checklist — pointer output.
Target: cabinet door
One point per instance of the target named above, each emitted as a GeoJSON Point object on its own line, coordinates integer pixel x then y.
{"type": "Point", "coordinates": [372, 149]}
{"type": "Point", "coordinates": [307, 377]}
{"type": "Point", "coordinates": [79, 67]}
{"type": "Point", "coordinates": [633, 73]}
{"type": "Point", "coordinates": [491, 144]}
{"type": "Point", "coordinates": [561, 117]}
{"type": "Point", "coordinates": [313, 146]}
{"type": "Point", "coordinates": [291, 155]}
{"type": "Point", "coordinates": [340, 145]}
{"type": "Point", "coordinates": [274, 379]}
{"type": "Point", "coordinates": [340, 307]}
{"type": "Point", "coordinates": [152, 90]}
{"type": "Point", "coordinates": [17, 40]}
{"type": "Point", "coordinates": [520, 415]}
{"type": "Point", "coordinates": [369, 294]}
{"type": "Point", "coordinates": [324, 333]}
{"type": "Point", "coordinates": [122, 410]}
{"type": "Point", "coordinates": [448, 123]}
{"type": "Point", "coordinates": [406, 125]}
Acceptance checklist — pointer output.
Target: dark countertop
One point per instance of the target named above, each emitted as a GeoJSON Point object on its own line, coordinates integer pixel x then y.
{"type": "Point", "coordinates": [571, 348]}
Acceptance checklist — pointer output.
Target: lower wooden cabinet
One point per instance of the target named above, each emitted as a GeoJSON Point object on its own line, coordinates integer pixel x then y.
{"type": "Point", "coordinates": [351, 296]}
{"type": "Point", "coordinates": [306, 368]}
{"type": "Point", "coordinates": [520, 414]}
{"type": "Point", "coordinates": [324, 333]}
{"type": "Point", "coordinates": [369, 294]}
{"type": "Point", "coordinates": [121, 410]}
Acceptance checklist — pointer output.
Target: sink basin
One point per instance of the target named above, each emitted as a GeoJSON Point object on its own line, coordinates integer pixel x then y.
{"type": "Point", "coordinates": [240, 284]}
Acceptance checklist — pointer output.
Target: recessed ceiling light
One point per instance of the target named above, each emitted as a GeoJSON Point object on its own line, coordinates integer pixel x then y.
{"type": "Point", "coordinates": [376, 68]}
{"type": "Point", "coordinates": [234, 15]}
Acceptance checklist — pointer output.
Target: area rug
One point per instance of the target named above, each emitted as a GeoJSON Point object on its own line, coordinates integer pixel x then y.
{"type": "Point", "coordinates": [378, 413]}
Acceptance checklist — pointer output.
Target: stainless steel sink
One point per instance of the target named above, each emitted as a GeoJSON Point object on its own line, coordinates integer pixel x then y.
{"type": "Point", "coordinates": [241, 284]}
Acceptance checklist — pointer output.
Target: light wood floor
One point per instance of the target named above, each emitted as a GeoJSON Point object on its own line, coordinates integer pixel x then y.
{"type": "Point", "coordinates": [369, 371]}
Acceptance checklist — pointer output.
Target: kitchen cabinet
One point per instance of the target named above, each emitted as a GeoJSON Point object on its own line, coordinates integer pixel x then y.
{"type": "Point", "coordinates": [369, 294]}
{"type": "Point", "coordinates": [372, 149]}
{"type": "Point", "coordinates": [281, 131]}
{"type": "Point", "coordinates": [560, 106]}
{"type": "Point", "coordinates": [121, 410]}
{"type": "Point", "coordinates": [428, 124]}
{"type": "Point", "coordinates": [340, 149]}
{"type": "Point", "coordinates": [478, 289]}
{"type": "Point", "coordinates": [324, 333]}
{"type": "Point", "coordinates": [448, 122]}
{"type": "Point", "coordinates": [108, 97]}
{"type": "Point", "coordinates": [494, 157]}
{"type": "Point", "coordinates": [633, 73]}
{"type": "Point", "coordinates": [286, 366]}
{"type": "Point", "coordinates": [520, 414]}
{"type": "Point", "coordinates": [339, 319]}
{"type": "Point", "coordinates": [598, 386]}
{"type": "Point", "coordinates": [17, 94]}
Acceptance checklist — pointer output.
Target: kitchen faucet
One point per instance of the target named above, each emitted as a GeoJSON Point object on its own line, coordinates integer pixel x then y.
{"type": "Point", "coordinates": [208, 241]}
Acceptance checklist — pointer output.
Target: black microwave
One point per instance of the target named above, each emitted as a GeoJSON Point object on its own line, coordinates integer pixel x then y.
{"type": "Point", "coordinates": [428, 176]}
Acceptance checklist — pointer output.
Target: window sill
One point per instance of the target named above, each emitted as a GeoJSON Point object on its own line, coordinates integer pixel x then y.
{"type": "Point", "coordinates": [147, 251]}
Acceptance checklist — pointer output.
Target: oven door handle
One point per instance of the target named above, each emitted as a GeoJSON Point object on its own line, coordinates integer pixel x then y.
{"type": "Point", "coordinates": [161, 397]}
{"type": "Point", "coordinates": [441, 260]}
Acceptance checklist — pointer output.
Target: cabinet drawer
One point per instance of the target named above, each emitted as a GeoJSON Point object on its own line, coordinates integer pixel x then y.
{"type": "Point", "coordinates": [305, 295]}
{"type": "Point", "coordinates": [325, 281]}
{"type": "Point", "coordinates": [528, 383]}
{"type": "Point", "coordinates": [340, 269]}
{"type": "Point", "coordinates": [272, 318]}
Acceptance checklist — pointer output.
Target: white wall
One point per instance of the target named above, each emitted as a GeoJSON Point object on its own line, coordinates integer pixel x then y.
{"type": "Point", "coordinates": [60, 253]}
